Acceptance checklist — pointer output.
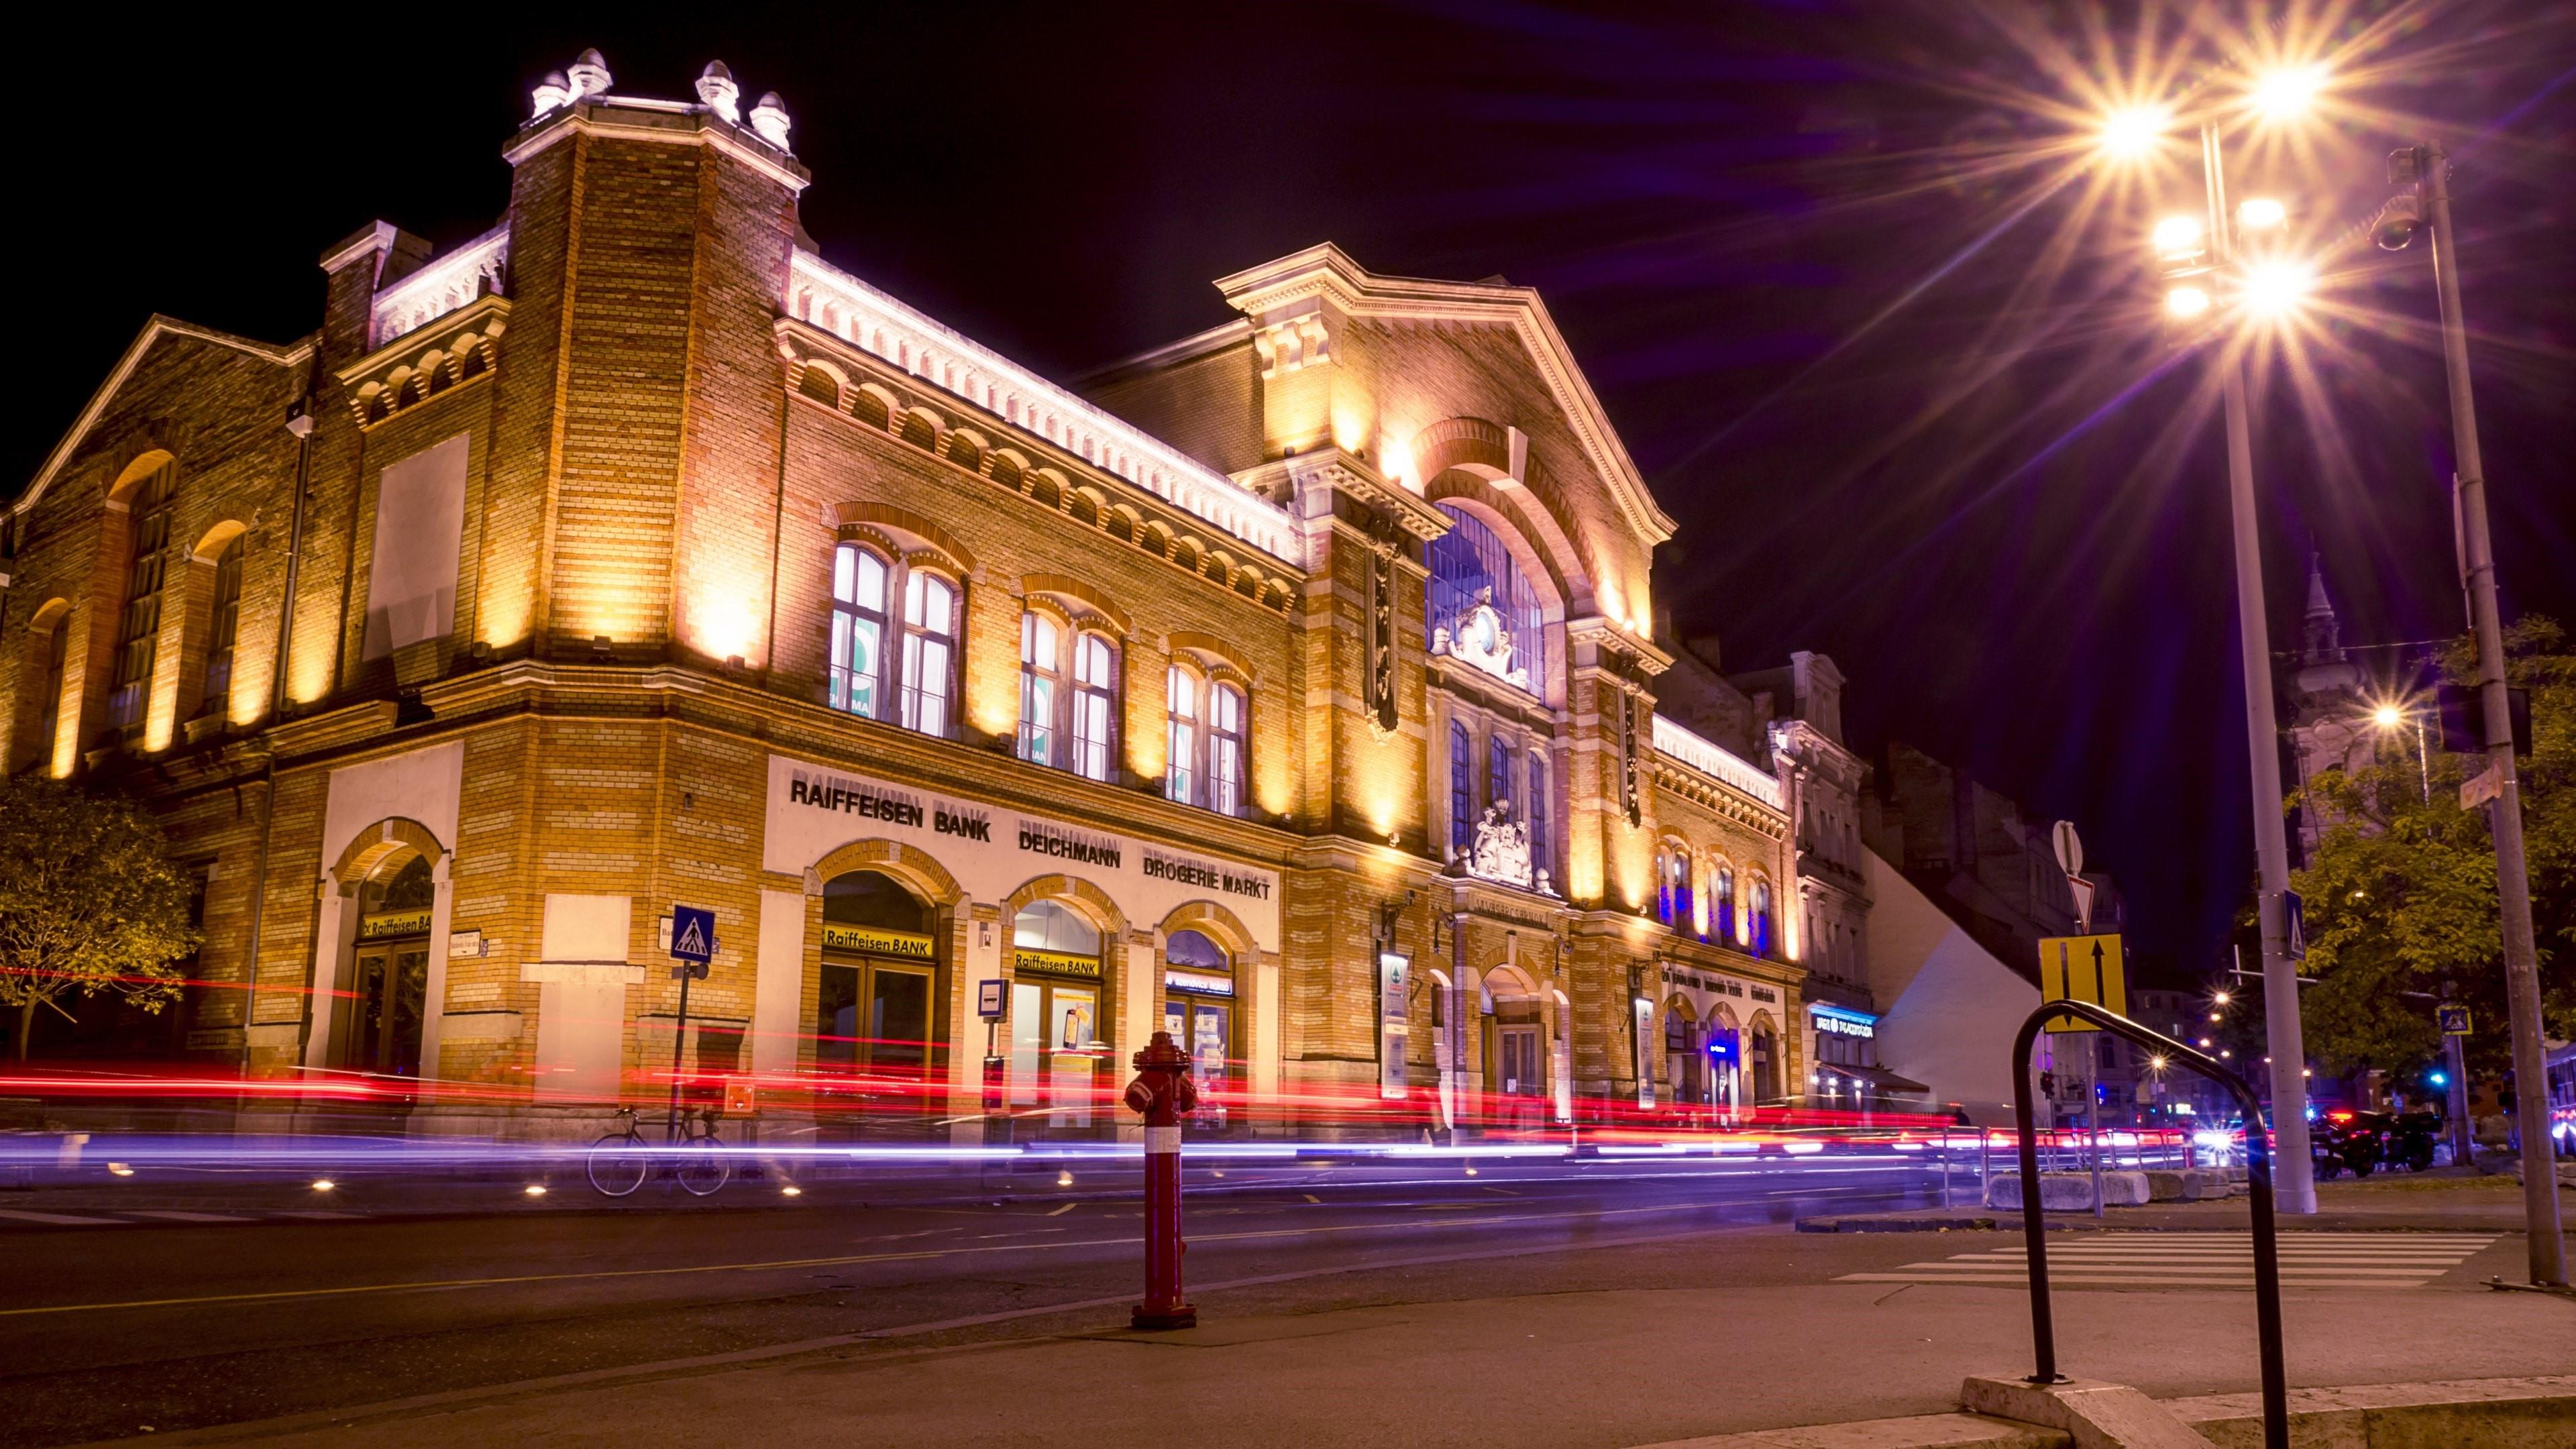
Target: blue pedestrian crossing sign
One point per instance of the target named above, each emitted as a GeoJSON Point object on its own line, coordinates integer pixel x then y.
{"type": "Point", "coordinates": [2453, 1019]}
{"type": "Point", "coordinates": [693, 934]}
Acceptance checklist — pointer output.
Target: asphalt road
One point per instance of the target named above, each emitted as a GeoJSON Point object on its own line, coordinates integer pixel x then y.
{"type": "Point", "coordinates": [110, 1332]}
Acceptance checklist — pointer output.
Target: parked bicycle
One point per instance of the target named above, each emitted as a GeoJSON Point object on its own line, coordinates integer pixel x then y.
{"type": "Point", "coordinates": [620, 1161]}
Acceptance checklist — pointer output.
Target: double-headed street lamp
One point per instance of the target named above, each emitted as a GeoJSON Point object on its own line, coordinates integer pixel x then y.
{"type": "Point", "coordinates": [2198, 255]}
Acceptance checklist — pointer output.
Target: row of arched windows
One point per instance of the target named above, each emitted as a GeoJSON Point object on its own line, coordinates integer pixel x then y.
{"type": "Point", "coordinates": [902, 666]}
{"type": "Point", "coordinates": [147, 596]}
{"type": "Point", "coordinates": [1508, 777]}
{"type": "Point", "coordinates": [1677, 906]}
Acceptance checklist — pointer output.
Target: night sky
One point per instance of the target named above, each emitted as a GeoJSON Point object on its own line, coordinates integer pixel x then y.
{"type": "Point", "coordinates": [1881, 335]}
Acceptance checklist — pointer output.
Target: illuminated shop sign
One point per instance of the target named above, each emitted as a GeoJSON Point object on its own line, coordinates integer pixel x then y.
{"type": "Point", "coordinates": [991, 851]}
{"type": "Point", "coordinates": [1200, 983]}
{"type": "Point", "coordinates": [381, 924]}
{"type": "Point", "coordinates": [1026, 961]}
{"type": "Point", "coordinates": [895, 807]}
{"type": "Point", "coordinates": [1839, 1022]}
{"type": "Point", "coordinates": [909, 944]}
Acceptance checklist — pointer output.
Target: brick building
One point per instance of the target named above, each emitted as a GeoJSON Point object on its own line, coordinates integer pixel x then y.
{"type": "Point", "coordinates": [1290, 686]}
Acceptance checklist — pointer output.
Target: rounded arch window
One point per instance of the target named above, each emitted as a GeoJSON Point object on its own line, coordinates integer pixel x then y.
{"type": "Point", "coordinates": [876, 999]}
{"type": "Point", "coordinates": [1057, 1052]}
{"type": "Point", "coordinates": [1199, 1011]}
{"type": "Point", "coordinates": [1480, 609]}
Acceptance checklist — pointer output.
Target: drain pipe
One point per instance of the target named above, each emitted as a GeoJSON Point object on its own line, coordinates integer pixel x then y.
{"type": "Point", "coordinates": [299, 421]}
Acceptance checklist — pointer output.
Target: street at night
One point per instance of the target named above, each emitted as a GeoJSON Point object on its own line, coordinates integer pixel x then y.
{"type": "Point", "coordinates": [1644, 725]}
{"type": "Point", "coordinates": [937, 1317]}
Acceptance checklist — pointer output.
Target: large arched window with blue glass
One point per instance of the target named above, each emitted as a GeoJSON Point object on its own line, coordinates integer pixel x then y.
{"type": "Point", "coordinates": [1480, 609]}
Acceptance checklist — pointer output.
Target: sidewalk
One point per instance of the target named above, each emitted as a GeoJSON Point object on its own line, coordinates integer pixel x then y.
{"type": "Point", "coordinates": [2432, 1202]}
{"type": "Point", "coordinates": [1566, 1370]}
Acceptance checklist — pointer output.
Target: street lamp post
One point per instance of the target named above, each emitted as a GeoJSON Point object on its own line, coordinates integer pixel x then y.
{"type": "Point", "coordinates": [2428, 167]}
{"type": "Point", "coordinates": [2294, 1179]}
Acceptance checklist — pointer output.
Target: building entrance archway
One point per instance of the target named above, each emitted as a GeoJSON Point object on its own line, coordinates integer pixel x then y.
{"type": "Point", "coordinates": [1058, 974]}
{"type": "Point", "coordinates": [379, 1022]}
{"type": "Point", "coordinates": [876, 1013]}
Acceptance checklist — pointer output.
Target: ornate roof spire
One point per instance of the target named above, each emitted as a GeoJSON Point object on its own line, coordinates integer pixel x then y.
{"type": "Point", "coordinates": [589, 74]}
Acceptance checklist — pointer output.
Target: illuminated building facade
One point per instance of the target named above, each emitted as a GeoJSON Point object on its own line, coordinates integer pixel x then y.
{"type": "Point", "coordinates": [1290, 686]}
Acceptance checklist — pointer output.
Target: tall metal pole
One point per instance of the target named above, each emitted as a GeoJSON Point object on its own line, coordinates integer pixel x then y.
{"type": "Point", "coordinates": [2294, 1179]}
{"type": "Point", "coordinates": [2513, 878]}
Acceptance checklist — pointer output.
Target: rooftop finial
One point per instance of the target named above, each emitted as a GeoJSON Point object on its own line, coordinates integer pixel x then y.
{"type": "Point", "coordinates": [769, 118]}
{"type": "Point", "coordinates": [552, 94]}
{"type": "Point", "coordinates": [589, 75]}
{"type": "Point", "coordinates": [717, 89]}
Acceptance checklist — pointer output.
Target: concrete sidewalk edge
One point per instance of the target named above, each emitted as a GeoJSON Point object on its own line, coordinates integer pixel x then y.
{"type": "Point", "coordinates": [2506, 1413]}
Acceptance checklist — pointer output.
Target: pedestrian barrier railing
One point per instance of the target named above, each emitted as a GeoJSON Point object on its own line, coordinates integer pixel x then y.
{"type": "Point", "coordinates": [2258, 1172]}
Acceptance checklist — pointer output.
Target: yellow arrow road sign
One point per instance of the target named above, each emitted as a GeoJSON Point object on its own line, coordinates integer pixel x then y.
{"type": "Point", "coordinates": [2082, 968]}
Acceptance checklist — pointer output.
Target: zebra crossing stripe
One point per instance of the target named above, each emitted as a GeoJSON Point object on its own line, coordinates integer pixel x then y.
{"type": "Point", "coordinates": [2219, 1260]}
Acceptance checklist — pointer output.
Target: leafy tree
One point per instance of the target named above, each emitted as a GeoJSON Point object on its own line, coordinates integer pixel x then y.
{"type": "Point", "coordinates": [2401, 892]}
{"type": "Point", "coordinates": [89, 902]}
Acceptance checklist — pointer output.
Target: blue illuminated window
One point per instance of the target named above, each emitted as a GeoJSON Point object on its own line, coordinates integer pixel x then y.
{"type": "Point", "coordinates": [1472, 572]}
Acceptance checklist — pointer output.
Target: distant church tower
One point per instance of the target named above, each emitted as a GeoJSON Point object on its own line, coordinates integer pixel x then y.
{"type": "Point", "coordinates": [2329, 722]}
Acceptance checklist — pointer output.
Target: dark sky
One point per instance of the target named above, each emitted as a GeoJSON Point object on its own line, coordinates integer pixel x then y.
{"type": "Point", "coordinates": [1908, 399]}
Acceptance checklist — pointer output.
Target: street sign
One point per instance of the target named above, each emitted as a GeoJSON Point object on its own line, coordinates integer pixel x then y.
{"type": "Point", "coordinates": [2453, 1019]}
{"type": "Point", "coordinates": [988, 999]}
{"type": "Point", "coordinates": [2482, 787]}
{"type": "Point", "coordinates": [2070, 849]}
{"type": "Point", "coordinates": [2082, 968]}
{"type": "Point", "coordinates": [693, 934]}
{"type": "Point", "coordinates": [2294, 926]}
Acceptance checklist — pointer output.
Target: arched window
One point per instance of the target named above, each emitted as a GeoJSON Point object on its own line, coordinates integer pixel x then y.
{"type": "Point", "coordinates": [1095, 681]}
{"type": "Point", "coordinates": [223, 627]}
{"type": "Point", "coordinates": [1198, 1007]}
{"type": "Point", "coordinates": [1056, 984]}
{"type": "Point", "coordinates": [1038, 681]}
{"type": "Point", "coordinates": [858, 631]}
{"type": "Point", "coordinates": [1226, 750]}
{"type": "Point", "coordinates": [1542, 838]}
{"type": "Point", "coordinates": [1181, 735]}
{"type": "Point", "coordinates": [1478, 607]}
{"type": "Point", "coordinates": [1462, 803]}
{"type": "Point", "coordinates": [873, 1003]}
{"type": "Point", "coordinates": [1724, 924]}
{"type": "Point", "coordinates": [1682, 911]}
{"type": "Point", "coordinates": [51, 649]}
{"type": "Point", "coordinates": [1761, 913]}
{"type": "Point", "coordinates": [138, 624]}
{"type": "Point", "coordinates": [929, 650]}
{"type": "Point", "coordinates": [1498, 774]}
{"type": "Point", "coordinates": [1663, 885]}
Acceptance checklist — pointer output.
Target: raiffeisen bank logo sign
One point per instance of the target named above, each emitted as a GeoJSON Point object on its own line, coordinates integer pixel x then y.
{"type": "Point", "coordinates": [867, 801]}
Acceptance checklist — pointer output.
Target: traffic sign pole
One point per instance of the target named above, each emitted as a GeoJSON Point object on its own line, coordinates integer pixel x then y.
{"type": "Point", "coordinates": [679, 1035]}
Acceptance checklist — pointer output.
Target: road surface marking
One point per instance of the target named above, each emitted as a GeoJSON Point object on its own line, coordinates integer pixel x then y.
{"type": "Point", "coordinates": [785, 1264]}
{"type": "Point", "coordinates": [65, 1219]}
{"type": "Point", "coordinates": [180, 1217]}
{"type": "Point", "coordinates": [2208, 1260]}
{"type": "Point", "coordinates": [1060, 1212]}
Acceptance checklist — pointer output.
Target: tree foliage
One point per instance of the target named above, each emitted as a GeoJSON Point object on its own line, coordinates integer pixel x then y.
{"type": "Point", "coordinates": [2401, 890]}
{"type": "Point", "coordinates": [90, 903]}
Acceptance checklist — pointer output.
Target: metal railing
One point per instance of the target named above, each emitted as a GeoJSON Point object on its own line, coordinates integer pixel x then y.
{"type": "Point", "coordinates": [2258, 1173]}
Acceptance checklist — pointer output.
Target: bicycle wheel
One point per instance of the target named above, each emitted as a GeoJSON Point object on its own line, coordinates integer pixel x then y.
{"type": "Point", "coordinates": [703, 1166]}
{"type": "Point", "coordinates": [618, 1164]}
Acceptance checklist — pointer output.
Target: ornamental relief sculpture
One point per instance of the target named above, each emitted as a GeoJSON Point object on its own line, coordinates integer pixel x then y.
{"type": "Point", "coordinates": [1501, 851]}
{"type": "Point", "coordinates": [1478, 637]}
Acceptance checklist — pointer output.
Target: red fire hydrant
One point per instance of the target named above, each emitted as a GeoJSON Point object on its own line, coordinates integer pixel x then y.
{"type": "Point", "coordinates": [1163, 1091]}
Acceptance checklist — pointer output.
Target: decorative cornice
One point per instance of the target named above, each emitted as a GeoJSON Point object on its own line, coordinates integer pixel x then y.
{"type": "Point", "coordinates": [460, 348]}
{"type": "Point", "coordinates": [669, 123]}
{"type": "Point", "coordinates": [934, 355]}
{"type": "Point", "coordinates": [1327, 273]}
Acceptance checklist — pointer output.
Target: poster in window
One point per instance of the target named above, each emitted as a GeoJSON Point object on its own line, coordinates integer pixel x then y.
{"type": "Point", "coordinates": [1076, 1018]}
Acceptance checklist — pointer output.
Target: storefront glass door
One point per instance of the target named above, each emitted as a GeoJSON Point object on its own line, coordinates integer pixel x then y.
{"type": "Point", "coordinates": [393, 994]}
